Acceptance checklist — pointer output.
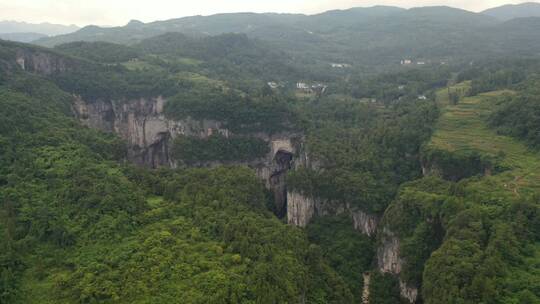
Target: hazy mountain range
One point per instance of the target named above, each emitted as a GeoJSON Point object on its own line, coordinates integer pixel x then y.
{"type": "Point", "coordinates": [28, 32]}
{"type": "Point", "coordinates": [512, 11]}
{"type": "Point", "coordinates": [254, 24]}
{"type": "Point", "coordinates": [375, 36]}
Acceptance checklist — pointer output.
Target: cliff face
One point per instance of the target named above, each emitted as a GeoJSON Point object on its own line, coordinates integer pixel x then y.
{"type": "Point", "coordinates": [41, 62]}
{"type": "Point", "coordinates": [149, 134]}
{"type": "Point", "coordinates": [390, 261]}
{"type": "Point", "coordinates": [301, 209]}
{"type": "Point", "coordinates": [388, 253]}
{"type": "Point", "coordinates": [455, 166]}
{"type": "Point", "coordinates": [143, 125]}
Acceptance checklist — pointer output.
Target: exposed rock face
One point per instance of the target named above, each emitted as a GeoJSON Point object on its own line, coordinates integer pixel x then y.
{"type": "Point", "coordinates": [388, 254]}
{"type": "Point", "coordinates": [364, 222]}
{"type": "Point", "coordinates": [365, 290]}
{"type": "Point", "coordinates": [142, 123]}
{"type": "Point", "coordinates": [389, 261]}
{"type": "Point", "coordinates": [302, 208]}
{"type": "Point", "coordinates": [409, 293]}
{"type": "Point", "coordinates": [44, 63]}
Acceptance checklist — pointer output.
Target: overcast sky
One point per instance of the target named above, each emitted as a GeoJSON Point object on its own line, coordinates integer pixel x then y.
{"type": "Point", "coordinates": [119, 12]}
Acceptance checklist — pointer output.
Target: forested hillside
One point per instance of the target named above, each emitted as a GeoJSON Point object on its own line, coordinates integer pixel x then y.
{"type": "Point", "coordinates": [80, 226]}
{"type": "Point", "coordinates": [375, 155]}
{"type": "Point", "coordinates": [377, 37]}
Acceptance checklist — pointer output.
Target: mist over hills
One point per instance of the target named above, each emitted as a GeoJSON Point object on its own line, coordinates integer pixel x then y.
{"type": "Point", "coordinates": [48, 29]}
{"type": "Point", "coordinates": [28, 32]}
{"type": "Point", "coordinates": [22, 37]}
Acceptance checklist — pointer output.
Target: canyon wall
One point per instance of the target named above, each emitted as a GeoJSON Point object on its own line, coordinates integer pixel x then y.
{"type": "Point", "coordinates": [149, 134]}
{"type": "Point", "coordinates": [302, 208]}
{"type": "Point", "coordinates": [390, 261]}
{"type": "Point", "coordinates": [42, 62]}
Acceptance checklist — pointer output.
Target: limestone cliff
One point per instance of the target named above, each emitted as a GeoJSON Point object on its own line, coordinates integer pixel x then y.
{"type": "Point", "coordinates": [408, 292]}
{"type": "Point", "coordinates": [41, 62]}
{"type": "Point", "coordinates": [302, 208]}
{"type": "Point", "coordinates": [388, 257]}
{"type": "Point", "coordinates": [390, 261]}
{"type": "Point", "coordinates": [143, 125]}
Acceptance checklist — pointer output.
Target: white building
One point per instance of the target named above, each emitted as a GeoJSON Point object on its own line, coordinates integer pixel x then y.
{"type": "Point", "coordinates": [302, 86]}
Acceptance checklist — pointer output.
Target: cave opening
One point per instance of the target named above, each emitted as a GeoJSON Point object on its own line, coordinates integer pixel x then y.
{"type": "Point", "coordinates": [281, 165]}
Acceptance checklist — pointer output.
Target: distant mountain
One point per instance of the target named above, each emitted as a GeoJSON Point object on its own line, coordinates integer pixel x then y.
{"type": "Point", "coordinates": [48, 29]}
{"type": "Point", "coordinates": [268, 26]}
{"type": "Point", "coordinates": [22, 37]}
{"type": "Point", "coordinates": [374, 36]}
{"type": "Point", "coordinates": [512, 11]}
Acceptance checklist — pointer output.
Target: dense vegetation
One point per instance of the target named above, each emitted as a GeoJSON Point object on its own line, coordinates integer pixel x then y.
{"type": "Point", "coordinates": [240, 114]}
{"type": "Point", "coordinates": [363, 162]}
{"type": "Point", "coordinates": [218, 148]}
{"type": "Point", "coordinates": [80, 225]}
{"type": "Point", "coordinates": [347, 251]}
{"type": "Point", "coordinates": [102, 52]}
{"type": "Point", "coordinates": [116, 83]}
{"type": "Point", "coordinates": [519, 116]}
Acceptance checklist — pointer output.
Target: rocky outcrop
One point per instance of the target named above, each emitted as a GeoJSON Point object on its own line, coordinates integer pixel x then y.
{"type": "Point", "coordinates": [388, 257]}
{"type": "Point", "coordinates": [365, 289]}
{"type": "Point", "coordinates": [142, 123]}
{"type": "Point", "coordinates": [390, 261]}
{"type": "Point", "coordinates": [407, 292]}
{"type": "Point", "coordinates": [364, 222]}
{"type": "Point", "coordinates": [301, 209]}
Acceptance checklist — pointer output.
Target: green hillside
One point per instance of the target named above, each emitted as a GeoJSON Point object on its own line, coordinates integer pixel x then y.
{"type": "Point", "coordinates": [377, 37]}
{"type": "Point", "coordinates": [464, 128]}
{"type": "Point", "coordinates": [80, 226]}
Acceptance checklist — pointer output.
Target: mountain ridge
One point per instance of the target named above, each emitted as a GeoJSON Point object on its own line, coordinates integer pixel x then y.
{"type": "Point", "coordinates": [513, 11]}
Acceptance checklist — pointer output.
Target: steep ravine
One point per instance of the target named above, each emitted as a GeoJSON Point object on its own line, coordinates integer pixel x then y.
{"type": "Point", "coordinates": [149, 134]}
{"type": "Point", "coordinates": [302, 209]}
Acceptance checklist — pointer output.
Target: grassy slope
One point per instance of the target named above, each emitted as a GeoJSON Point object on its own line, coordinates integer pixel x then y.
{"type": "Point", "coordinates": [462, 127]}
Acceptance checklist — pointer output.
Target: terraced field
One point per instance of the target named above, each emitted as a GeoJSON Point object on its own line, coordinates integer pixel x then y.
{"type": "Point", "coordinates": [463, 128]}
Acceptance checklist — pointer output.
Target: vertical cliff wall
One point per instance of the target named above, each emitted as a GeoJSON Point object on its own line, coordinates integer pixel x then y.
{"type": "Point", "coordinates": [302, 208]}
{"type": "Point", "coordinates": [390, 261]}
{"type": "Point", "coordinates": [41, 62]}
